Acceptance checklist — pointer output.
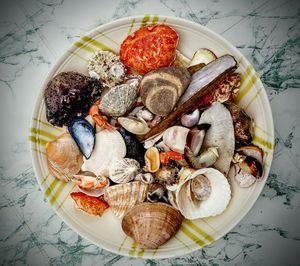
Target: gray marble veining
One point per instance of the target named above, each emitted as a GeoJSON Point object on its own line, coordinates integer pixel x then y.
{"type": "Point", "coordinates": [34, 33]}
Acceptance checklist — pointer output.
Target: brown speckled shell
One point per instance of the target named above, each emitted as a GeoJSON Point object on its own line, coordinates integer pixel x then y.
{"type": "Point", "coordinates": [151, 224]}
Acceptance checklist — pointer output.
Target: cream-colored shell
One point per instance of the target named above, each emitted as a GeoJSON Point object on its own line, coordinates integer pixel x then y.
{"type": "Point", "coordinates": [122, 197]}
{"type": "Point", "coordinates": [175, 138]}
{"type": "Point", "coordinates": [191, 208]}
{"type": "Point", "coordinates": [124, 170]}
{"type": "Point", "coordinates": [152, 160]}
{"type": "Point", "coordinates": [64, 158]}
{"type": "Point", "coordinates": [109, 146]}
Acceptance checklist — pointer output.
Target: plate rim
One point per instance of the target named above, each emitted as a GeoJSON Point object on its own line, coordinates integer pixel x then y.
{"type": "Point", "coordinates": [61, 58]}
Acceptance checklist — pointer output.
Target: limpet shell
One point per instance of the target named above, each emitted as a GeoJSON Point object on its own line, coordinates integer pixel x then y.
{"type": "Point", "coordinates": [124, 170]}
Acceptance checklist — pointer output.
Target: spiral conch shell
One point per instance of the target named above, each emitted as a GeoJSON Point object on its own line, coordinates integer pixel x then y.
{"type": "Point", "coordinates": [124, 170]}
{"type": "Point", "coordinates": [151, 224]}
{"type": "Point", "coordinates": [122, 197]}
{"type": "Point", "coordinates": [63, 157]}
{"type": "Point", "coordinates": [216, 196]}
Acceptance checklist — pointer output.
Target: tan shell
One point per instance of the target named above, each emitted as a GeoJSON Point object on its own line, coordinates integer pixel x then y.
{"type": "Point", "coordinates": [152, 160]}
{"type": "Point", "coordinates": [122, 197]}
{"type": "Point", "coordinates": [63, 157]}
{"type": "Point", "coordinates": [151, 224]}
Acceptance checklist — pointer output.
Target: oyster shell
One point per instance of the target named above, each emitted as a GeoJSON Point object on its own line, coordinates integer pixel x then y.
{"type": "Point", "coordinates": [109, 146]}
{"type": "Point", "coordinates": [219, 135]}
{"type": "Point", "coordinates": [151, 224]}
{"type": "Point", "coordinates": [213, 205]}
{"type": "Point", "coordinates": [175, 138]}
{"type": "Point", "coordinates": [124, 170]}
{"type": "Point", "coordinates": [152, 160]}
{"type": "Point", "coordinates": [122, 197]}
{"type": "Point", "coordinates": [118, 100]}
{"type": "Point", "coordinates": [107, 67]}
{"type": "Point", "coordinates": [64, 158]}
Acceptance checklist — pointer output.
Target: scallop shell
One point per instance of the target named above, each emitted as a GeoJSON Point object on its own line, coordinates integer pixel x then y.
{"type": "Point", "coordinates": [122, 197]}
{"type": "Point", "coordinates": [214, 205]}
{"type": "Point", "coordinates": [134, 125]}
{"type": "Point", "coordinates": [152, 160]}
{"type": "Point", "coordinates": [220, 135]}
{"type": "Point", "coordinates": [118, 100]}
{"type": "Point", "coordinates": [107, 67]}
{"type": "Point", "coordinates": [124, 170]}
{"type": "Point", "coordinates": [109, 146]}
{"type": "Point", "coordinates": [151, 224]}
{"type": "Point", "coordinates": [63, 157]}
{"type": "Point", "coordinates": [175, 138]}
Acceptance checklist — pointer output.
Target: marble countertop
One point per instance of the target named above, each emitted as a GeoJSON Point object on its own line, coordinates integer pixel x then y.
{"type": "Point", "coordinates": [33, 35]}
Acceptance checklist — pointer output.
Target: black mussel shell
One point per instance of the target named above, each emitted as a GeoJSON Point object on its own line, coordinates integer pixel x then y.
{"type": "Point", "coordinates": [84, 135]}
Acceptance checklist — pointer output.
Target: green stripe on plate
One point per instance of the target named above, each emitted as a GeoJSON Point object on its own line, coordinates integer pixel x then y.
{"type": "Point", "coordinates": [199, 230]}
{"type": "Point", "coordinates": [188, 233]}
{"type": "Point", "coordinates": [79, 56]}
{"type": "Point", "coordinates": [131, 26]}
{"type": "Point", "coordinates": [165, 20]}
{"type": "Point", "coordinates": [246, 73]}
{"type": "Point", "coordinates": [252, 99]}
{"type": "Point", "coordinates": [154, 252]}
{"type": "Point", "coordinates": [51, 187]}
{"type": "Point", "coordinates": [155, 20]}
{"type": "Point", "coordinates": [141, 253]}
{"type": "Point", "coordinates": [122, 243]}
{"type": "Point", "coordinates": [65, 198]}
{"type": "Point", "coordinates": [40, 152]}
{"type": "Point", "coordinates": [247, 88]}
{"type": "Point", "coordinates": [97, 44]}
{"type": "Point", "coordinates": [43, 133]}
{"type": "Point", "coordinates": [263, 142]}
{"type": "Point", "coordinates": [145, 20]}
{"type": "Point", "coordinates": [57, 193]}
{"type": "Point", "coordinates": [45, 178]}
{"type": "Point", "coordinates": [38, 140]}
{"type": "Point", "coordinates": [263, 130]}
{"type": "Point", "coordinates": [47, 124]}
{"type": "Point", "coordinates": [84, 46]}
{"type": "Point", "coordinates": [107, 37]}
{"type": "Point", "coordinates": [180, 241]}
{"type": "Point", "coordinates": [133, 249]}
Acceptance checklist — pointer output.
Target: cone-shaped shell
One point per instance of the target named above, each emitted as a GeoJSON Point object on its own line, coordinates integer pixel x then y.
{"type": "Point", "coordinates": [63, 157]}
{"type": "Point", "coordinates": [122, 197]}
{"type": "Point", "coordinates": [151, 224]}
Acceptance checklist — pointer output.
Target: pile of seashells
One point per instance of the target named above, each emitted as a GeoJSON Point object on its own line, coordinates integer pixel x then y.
{"type": "Point", "coordinates": [111, 153]}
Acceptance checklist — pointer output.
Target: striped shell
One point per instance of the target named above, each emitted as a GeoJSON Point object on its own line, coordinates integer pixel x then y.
{"type": "Point", "coordinates": [122, 197]}
{"type": "Point", "coordinates": [124, 170]}
{"type": "Point", "coordinates": [118, 100]}
{"type": "Point", "coordinates": [151, 224]}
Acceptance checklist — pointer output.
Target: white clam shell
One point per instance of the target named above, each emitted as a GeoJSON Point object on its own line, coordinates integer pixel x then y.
{"type": "Point", "coordinates": [109, 146]}
{"type": "Point", "coordinates": [219, 135]}
{"type": "Point", "coordinates": [124, 170]}
{"type": "Point", "coordinates": [134, 125]}
{"type": "Point", "coordinates": [175, 138]}
{"type": "Point", "coordinates": [214, 205]}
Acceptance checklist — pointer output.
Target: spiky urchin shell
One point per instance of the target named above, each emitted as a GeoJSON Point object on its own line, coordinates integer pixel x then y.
{"type": "Point", "coordinates": [107, 67]}
{"type": "Point", "coordinates": [118, 100]}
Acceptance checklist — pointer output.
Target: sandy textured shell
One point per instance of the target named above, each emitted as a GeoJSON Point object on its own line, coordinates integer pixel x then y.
{"type": "Point", "coordinates": [151, 224]}
{"type": "Point", "coordinates": [107, 67]}
{"type": "Point", "coordinates": [109, 146]}
{"type": "Point", "coordinates": [122, 197]}
{"type": "Point", "coordinates": [220, 135]}
{"type": "Point", "coordinates": [216, 202]}
{"type": "Point", "coordinates": [118, 100]}
{"type": "Point", "coordinates": [152, 160]}
{"type": "Point", "coordinates": [63, 157]}
{"type": "Point", "coordinates": [175, 138]}
{"type": "Point", "coordinates": [124, 170]}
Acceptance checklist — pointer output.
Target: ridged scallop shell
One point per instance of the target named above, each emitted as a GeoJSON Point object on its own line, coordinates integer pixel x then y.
{"type": "Point", "coordinates": [118, 100]}
{"type": "Point", "coordinates": [107, 67]}
{"type": "Point", "coordinates": [109, 146]}
{"type": "Point", "coordinates": [63, 157]}
{"type": "Point", "coordinates": [122, 197]}
{"type": "Point", "coordinates": [124, 170]}
{"type": "Point", "coordinates": [215, 204]}
{"type": "Point", "coordinates": [151, 224]}
{"type": "Point", "coordinates": [152, 160]}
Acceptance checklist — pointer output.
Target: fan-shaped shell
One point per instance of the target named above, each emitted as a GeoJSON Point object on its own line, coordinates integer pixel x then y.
{"type": "Point", "coordinates": [124, 170]}
{"type": "Point", "coordinates": [215, 204]}
{"type": "Point", "coordinates": [151, 224]}
{"type": "Point", "coordinates": [63, 157]}
{"type": "Point", "coordinates": [122, 197]}
{"type": "Point", "coordinates": [109, 146]}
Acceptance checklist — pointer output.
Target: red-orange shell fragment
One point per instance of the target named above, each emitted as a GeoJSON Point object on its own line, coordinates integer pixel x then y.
{"type": "Point", "coordinates": [149, 48]}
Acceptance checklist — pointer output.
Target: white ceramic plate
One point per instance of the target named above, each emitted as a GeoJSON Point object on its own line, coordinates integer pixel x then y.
{"type": "Point", "coordinates": [106, 231]}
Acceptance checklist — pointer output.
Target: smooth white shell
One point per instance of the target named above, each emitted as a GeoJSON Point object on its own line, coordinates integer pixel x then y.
{"type": "Point", "coordinates": [220, 135]}
{"type": "Point", "coordinates": [109, 146]}
{"type": "Point", "coordinates": [175, 138]}
{"type": "Point", "coordinates": [216, 202]}
{"type": "Point", "coordinates": [134, 125]}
